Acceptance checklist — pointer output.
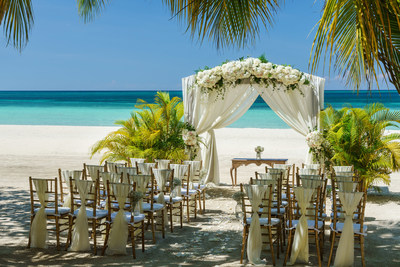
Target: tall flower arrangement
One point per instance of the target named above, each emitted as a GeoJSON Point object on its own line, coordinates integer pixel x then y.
{"type": "Point", "coordinates": [257, 70]}
{"type": "Point", "coordinates": [320, 149]}
{"type": "Point", "coordinates": [192, 141]}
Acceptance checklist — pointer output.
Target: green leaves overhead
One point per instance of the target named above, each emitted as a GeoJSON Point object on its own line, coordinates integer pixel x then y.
{"type": "Point", "coordinates": [16, 17]}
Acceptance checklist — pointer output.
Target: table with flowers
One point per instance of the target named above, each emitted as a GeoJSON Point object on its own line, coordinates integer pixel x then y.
{"type": "Point", "coordinates": [237, 162]}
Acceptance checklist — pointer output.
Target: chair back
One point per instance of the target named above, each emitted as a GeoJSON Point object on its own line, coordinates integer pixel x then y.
{"type": "Point", "coordinates": [182, 172]}
{"type": "Point", "coordinates": [162, 163]}
{"type": "Point", "coordinates": [63, 176]}
{"type": "Point", "coordinates": [43, 193]}
{"type": "Point", "coordinates": [136, 160]}
{"type": "Point", "coordinates": [93, 170]}
{"type": "Point", "coordinates": [111, 166]}
{"type": "Point", "coordinates": [84, 193]}
{"type": "Point", "coordinates": [145, 168]}
{"type": "Point", "coordinates": [125, 171]}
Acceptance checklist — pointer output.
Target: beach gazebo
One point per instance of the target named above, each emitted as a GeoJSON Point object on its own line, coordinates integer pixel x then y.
{"type": "Point", "coordinates": [215, 98]}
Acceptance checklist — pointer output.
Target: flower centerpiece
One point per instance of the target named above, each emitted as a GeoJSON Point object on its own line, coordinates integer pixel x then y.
{"type": "Point", "coordinates": [257, 70]}
{"type": "Point", "coordinates": [176, 183]}
{"type": "Point", "coordinates": [258, 151]}
{"type": "Point", "coordinates": [134, 198]}
{"type": "Point", "coordinates": [192, 141]}
{"type": "Point", "coordinates": [320, 148]}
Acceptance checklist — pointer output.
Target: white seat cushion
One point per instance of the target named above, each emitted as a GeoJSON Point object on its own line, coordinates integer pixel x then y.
{"type": "Point", "coordinates": [196, 186]}
{"type": "Point", "coordinates": [191, 192]}
{"type": "Point", "coordinates": [89, 213]}
{"type": "Point", "coordinates": [167, 199]}
{"type": "Point", "coordinates": [156, 206]}
{"type": "Point", "coordinates": [310, 223]}
{"type": "Point", "coordinates": [52, 211]}
{"type": "Point", "coordinates": [265, 221]}
{"type": "Point", "coordinates": [274, 211]}
{"type": "Point", "coordinates": [356, 228]}
{"type": "Point", "coordinates": [137, 218]}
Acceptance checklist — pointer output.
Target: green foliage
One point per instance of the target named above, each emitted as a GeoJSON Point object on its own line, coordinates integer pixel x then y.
{"type": "Point", "coordinates": [153, 132]}
{"type": "Point", "coordinates": [357, 137]}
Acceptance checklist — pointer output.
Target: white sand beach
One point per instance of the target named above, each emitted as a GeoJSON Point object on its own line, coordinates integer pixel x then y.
{"type": "Point", "coordinates": [39, 151]}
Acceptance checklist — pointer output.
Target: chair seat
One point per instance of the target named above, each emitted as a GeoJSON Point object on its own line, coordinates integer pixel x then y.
{"type": "Point", "coordinates": [167, 199]}
{"type": "Point", "coordinates": [310, 223]}
{"type": "Point", "coordinates": [341, 215]}
{"type": "Point", "coordinates": [275, 211]}
{"type": "Point", "coordinates": [52, 211]}
{"type": "Point", "coordinates": [356, 228]}
{"type": "Point", "coordinates": [136, 219]}
{"type": "Point", "coordinates": [184, 192]}
{"type": "Point", "coordinates": [89, 213]}
{"type": "Point", "coordinates": [265, 221]}
{"type": "Point", "coordinates": [156, 206]}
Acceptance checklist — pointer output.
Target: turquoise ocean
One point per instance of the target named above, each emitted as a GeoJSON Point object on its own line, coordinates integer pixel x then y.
{"type": "Point", "coordinates": [103, 108]}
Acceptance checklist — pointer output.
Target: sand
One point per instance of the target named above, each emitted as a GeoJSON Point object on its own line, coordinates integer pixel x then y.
{"type": "Point", "coordinates": [212, 239]}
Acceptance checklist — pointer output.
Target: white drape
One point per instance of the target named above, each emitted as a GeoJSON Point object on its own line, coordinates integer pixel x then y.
{"type": "Point", "coordinates": [162, 163]}
{"type": "Point", "coordinates": [254, 240]}
{"type": "Point", "coordinates": [39, 224]}
{"type": "Point", "coordinates": [141, 186]}
{"type": "Point", "coordinates": [65, 175]}
{"type": "Point", "coordinates": [161, 176]}
{"type": "Point", "coordinates": [119, 227]}
{"type": "Point", "coordinates": [300, 240]}
{"type": "Point", "coordinates": [180, 171]}
{"type": "Point", "coordinates": [80, 235]}
{"type": "Point", "coordinates": [93, 171]}
{"type": "Point", "coordinates": [194, 168]}
{"type": "Point", "coordinates": [145, 168]}
{"type": "Point", "coordinates": [299, 110]}
{"type": "Point", "coordinates": [345, 251]}
{"type": "Point", "coordinates": [136, 160]}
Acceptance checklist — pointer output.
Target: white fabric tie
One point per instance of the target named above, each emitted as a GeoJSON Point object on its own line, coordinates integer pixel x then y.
{"type": "Point", "coordinates": [141, 186]}
{"type": "Point", "coordinates": [161, 177]}
{"type": "Point", "coordinates": [119, 227]}
{"type": "Point", "coordinates": [80, 236]}
{"type": "Point", "coordinates": [300, 240]}
{"type": "Point", "coordinates": [162, 163]}
{"type": "Point", "coordinates": [39, 224]}
{"type": "Point", "coordinates": [66, 174]}
{"type": "Point", "coordinates": [345, 251]}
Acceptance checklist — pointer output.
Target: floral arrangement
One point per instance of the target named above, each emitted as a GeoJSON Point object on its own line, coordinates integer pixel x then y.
{"type": "Point", "coordinates": [134, 197]}
{"type": "Point", "coordinates": [320, 148]}
{"type": "Point", "coordinates": [238, 196]}
{"type": "Point", "coordinates": [257, 70]}
{"type": "Point", "coordinates": [259, 149]}
{"type": "Point", "coordinates": [191, 140]}
{"type": "Point", "coordinates": [175, 182]}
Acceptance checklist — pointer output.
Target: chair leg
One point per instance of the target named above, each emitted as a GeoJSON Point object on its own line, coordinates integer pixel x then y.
{"type": "Point", "coordinates": [318, 248]}
{"type": "Point", "coordinates": [69, 236]}
{"type": "Point", "coordinates": [58, 233]}
{"type": "Point", "coordinates": [188, 208]}
{"type": "Point", "coordinates": [106, 239]}
{"type": "Point", "coordinates": [132, 231]}
{"type": "Point", "coordinates": [200, 209]}
{"type": "Point", "coordinates": [204, 201]}
{"type": "Point", "coordinates": [94, 237]}
{"type": "Point", "coordinates": [362, 250]}
{"type": "Point", "coordinates": [271, 245]}
{"type": "Point", "coordinates": [333, 234]}
{"type": "Point", "coordinates": [195, 206]}
{"type": "Point", "coordinates": [162, 223]}
{"type": "Point", "coordinates": [243, 244]}
{"type": "Point", "coordinates": [288, 247]}
{"type": "Point", "coordinates": [30, 229]}
{"type": "Point", "coordinates": [142, 235]}
{"type": "Point", "coordinates": [171, 209]}
{"type": "Point", "coordinates": [153, 227]}
{"type": "Point", "coordinates": [181, 213]}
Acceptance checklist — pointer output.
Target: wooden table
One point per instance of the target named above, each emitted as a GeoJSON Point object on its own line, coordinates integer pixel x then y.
{"type": "Point", "coordinates": [237, 162]}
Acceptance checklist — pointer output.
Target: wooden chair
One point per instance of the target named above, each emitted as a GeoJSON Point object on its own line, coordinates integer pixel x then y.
{"type": "Point", "coordinates": [270, 225]}
{"type": "Point", "coordinates": [84, 195]}
{"type": "Point", "coordinates": [111, 166]}
{"type": "Point", "coordinates": [162, 163]}
{"type": "Point", "coordinates": [125, 171]}
{"type": "Point", "coordinates": [133, 161]}
{"type": "Point", "coordinates": [92, 171]}
{"type": "Point", "coordinates": [145, 168]}
{"type": "Point", "coordinates": [313, 214]}
{"type": "Point", "coordinates": [44, 201]}
{"type": "Point", "coordinates": [135, 222]}
{"type": "Point", "coordinates": [64, 176]}
{"type": "Point", "coordinates": [195, 168]}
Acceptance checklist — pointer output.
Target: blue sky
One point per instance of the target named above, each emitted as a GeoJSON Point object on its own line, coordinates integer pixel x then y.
{"type": "Point", "coordinates": [136, 45]}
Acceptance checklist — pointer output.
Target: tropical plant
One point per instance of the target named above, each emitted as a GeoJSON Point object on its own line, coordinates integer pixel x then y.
{"type": "Point", "coordinates": [153, 132]}
{"type": "Point", "coordinates": [357, 137]}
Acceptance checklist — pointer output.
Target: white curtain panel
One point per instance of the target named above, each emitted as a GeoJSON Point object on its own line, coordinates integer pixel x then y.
{"type": "Point", "coordinates": [119, 227]}
{"type": "Point", "coordinates": [300, 240]}
{"type": "Point", "coordinates": [39, 224]}
{"type": "Point", "coordinates": [299, 111]}
{"type": "Point", "coordinates": [207, 114]}
{"type": "Point", "coordinates": [80, 235]}
{"type": "Point", "coordinates": [345, 251]}
{"type": "Point", "coordinates": [254, 240]}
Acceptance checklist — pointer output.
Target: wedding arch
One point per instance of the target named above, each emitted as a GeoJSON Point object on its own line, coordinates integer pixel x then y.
{"type": "Point", "coordinates": [215, 98]}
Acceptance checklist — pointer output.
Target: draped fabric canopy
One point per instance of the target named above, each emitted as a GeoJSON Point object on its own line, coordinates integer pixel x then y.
{"type": "Point", "coordinates": [206, 112]}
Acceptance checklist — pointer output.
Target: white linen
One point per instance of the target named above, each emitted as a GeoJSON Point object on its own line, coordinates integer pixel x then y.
{"type": "Point", "coordinates": [161, 177]}
{"type": "Point", "coordinates": [194, 168]}
{"type": "Point", "coordinates": [343, 168]}
{"type": "Point", "coordinates": [254, 240]}
{"type": "Point", "coordinates": [180, 170]}
{"type": "Point", "coordinates": [111, 166]}
{"type": "Point", "coordinates": [208, 112]}
{"type": "Point", "coordinates": [125, 171]}
{"type": "Point", "coordinates": [39, 223]}
{"type": "Point", "coordinates": [80, 235]}
{"type": "Point", "coordinates": [94, 171]}
{"type": "Point", "coordinates": [136, 160]}
{"type": "Point", "coordinates": [145, 168]}
{"type": "Point", "coordinates": [300, 240]}
{"type": "Point", "coordinates": [345, 251]}
{"type": "Point", "coordinates": [119, 227]}
{"type": "Point", "coordinates": [65, 175]}
{"type": "Point", "coordinates": [162, 163]}
{"type": "Point", "coordinates": [141, 186]}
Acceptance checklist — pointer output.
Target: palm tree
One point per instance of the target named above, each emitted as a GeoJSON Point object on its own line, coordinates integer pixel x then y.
{"type": "Point", "coordinates": [357, 137]}
{"type": "Point", "coordinates": [153, 132]}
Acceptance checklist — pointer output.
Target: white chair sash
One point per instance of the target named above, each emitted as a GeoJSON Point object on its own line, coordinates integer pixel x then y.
{"type": "Point", "coordinates": [312, 166]}
{"type": "Point", "coordinates": [65, 175]}
{"type": "Point", "coordinates": [93, 171]}
{"type": "Point", "coordinates": [119, 227]}
{"type": "Point", "coordinates": [162, 163]}
{"type": "Point", "coordinates": [145, 168]}
{"type": "Point", "coordinates": [308, 171]}
{"type": "Point", "coordinates": [180, 171]}
{"type": "Point", "coordinates": [311, 181]}
{"type": "Point", "coordinates": [161, 177]}
{"type": "Point", "coordinates": [345, 251]}
{"type": "Point", "coordinates": [194, 168]}
{"type": "Point", "coordinates": [141, 186]}
{"type": "Point", "coordinates": [80, 235]}
{"type": "Point", "coordinates": [136, 160]}
{"type": "Point", "coordinates": [111, 166]}
{"type": "Point", "coordinates": [39, 224]}
{"type": "Point", "coordinates": [346, 184]}
{"type": "Point", "coordinates": [254, 240]}
{"type": "Point", "coordinates": [343, 168]}
{"type": "Point", "coordinates": [125, 171]}
{"type": "Point", "coordinates": [300, 240]}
